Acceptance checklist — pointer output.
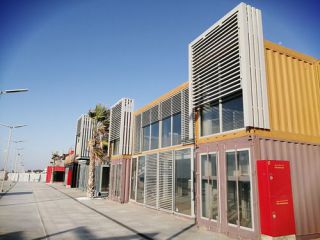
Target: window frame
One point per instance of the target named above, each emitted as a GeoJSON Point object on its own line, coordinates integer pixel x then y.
{"type": "Point", "coordinates": [192, 181]}
{"type": "Point", "coordinates": [135, 180]}
{"type": "Point", "coordinates": [218, 220]}
{"type": "Point", "coordinates": [235, 150]}
{"type": "Point", "coordinates": [220, 103]}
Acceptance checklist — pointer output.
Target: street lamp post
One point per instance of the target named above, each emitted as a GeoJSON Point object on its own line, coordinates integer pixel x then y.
{"type": "Point", "coordinates": [8, 149]}
{"type": "Point", "coordinates": [17, 149]}
{"type": "Point", "coordinates": [18, 156]}
{"type": "Point", "coordinates": [14, 91]}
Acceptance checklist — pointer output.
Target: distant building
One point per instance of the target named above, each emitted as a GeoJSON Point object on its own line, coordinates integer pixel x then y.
{"type": "Point", "coordinates": [85, 128]}
{"type": "Point", "coordinates": [120, 148]}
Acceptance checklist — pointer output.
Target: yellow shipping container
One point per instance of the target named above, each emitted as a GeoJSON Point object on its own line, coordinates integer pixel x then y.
{"type": "Point", "coordinates": [293, 93]}
{"type": "Point", "coordinates": [293, 81]}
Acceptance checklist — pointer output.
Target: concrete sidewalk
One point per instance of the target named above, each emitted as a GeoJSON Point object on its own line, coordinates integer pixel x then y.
{"type": "Point", "coordinates": [40, 211]}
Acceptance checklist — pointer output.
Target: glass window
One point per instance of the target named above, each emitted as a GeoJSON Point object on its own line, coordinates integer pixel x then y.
{"type": "Point", "coordinates": [166, 132]}
{"type": "Point", "coordinates": [183, 181]}
{"type": "Point", "coordinates": [105, 179]}
{"type": "Point", "coordinates": [133, 178]}
{"type": "Point", "coordinates": [209, 186]}
{"type": "Point", "coordinates": [146, 138]}
{"type": "Point", "coordinates": [116, 145]}
{"type": "Point", "coordinates": [210, 119]}
{"type": "Point", "coordinates": [155, 135]}
{"type": "Point", "coordinates": [176, 129]}
{"type": "Point", "coordinates": [232, 114]}
{"type": "Point", "coordinates": [140, 179]}
{"type": "Point", "coordinates": [238, 188]}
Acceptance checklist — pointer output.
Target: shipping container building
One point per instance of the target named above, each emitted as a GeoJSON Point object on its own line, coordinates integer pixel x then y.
{"type": "Point", "coordinates": [85, 128]}
{"type": "Point", "coordinates": [120, 148]}
{"type": "Point", "coordinates": [237, 147]}
{"type": "Point", "coordinates": [254, 100]}
{"type": "Point", "coordinates": [162, 160]}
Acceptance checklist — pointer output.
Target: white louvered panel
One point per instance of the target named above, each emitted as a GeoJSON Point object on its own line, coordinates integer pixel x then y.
{"type": "Point", "coordinates": [126, 126]}
{"type": "Point", "coordinates": [185, 121]}
{"type": "Point", "coordinates": [229, 58]}
{"type": "Point", "coordinates": [137, 134]}
{"type": "Point", "coordinates": [165, 108]}
{"type": "Point", "coordinates": [176, 103]}
{"type": "Point", "coordinates": [166, 181]}
{"type": "Point", "coordinates": [154, 114]}
{"type": "Point", "coordinates": [151, 180]}
{"type": "Point", "coordinates": [121, 125]}
{"type": "Point", "coordinates": [215, 63]}
{"type": "Point", "coordinates": [115, 121]}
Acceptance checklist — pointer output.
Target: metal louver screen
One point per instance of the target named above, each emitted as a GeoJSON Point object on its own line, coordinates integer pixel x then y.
{"type": "Point", "coordinates": [176, 103]}
{"type": "Point", "coordinates": [146, 118]}
{"type": "Point", "coordinates": [228, 58]}
{"type": "Point", "coordinates": [137, 134]}
{"type": "Point", "coordinates": [154, 114]}
{"type": "Point", "coordinates": [185, 116]}
{"type": "Point", "coordinates": [216, 62]}
{"type": "Point", "coordinates": [166, 181]}
{"type": "Point", "coordinates": [151, 180]}
{"type": "Point", "coordinates": [115, 122]}
{"type": "Point", "coordinates": [166, 108]}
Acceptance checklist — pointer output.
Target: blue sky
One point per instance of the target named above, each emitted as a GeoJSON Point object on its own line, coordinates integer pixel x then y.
{"type": "Point", "coordinates": [74, 54]}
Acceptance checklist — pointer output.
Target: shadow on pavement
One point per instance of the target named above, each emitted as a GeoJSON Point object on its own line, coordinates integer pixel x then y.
{"type": "Point", "coordinates": [13, 235]}
{"type": "Point", "coordinates": [16, 193]}
{"type": "Point", "coordinates": [85, 233]}
{"type": "Point", "coordinates": [26, 203]}
{"type": "Point", "coordinates": [182, 231]}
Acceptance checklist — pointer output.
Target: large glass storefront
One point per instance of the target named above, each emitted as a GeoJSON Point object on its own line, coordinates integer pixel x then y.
{"type": "Point", "coordinates": [164, 181]}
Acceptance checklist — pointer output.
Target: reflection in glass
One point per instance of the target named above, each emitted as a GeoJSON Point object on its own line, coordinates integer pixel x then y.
{"type": "Point", "coordinates": [155, 135]}
{"type": "Point", "coordinates": [116, 144]}
{"type": "Point", "coordinates": [231, 164]}
{"type": "Point", "coordinates": [232, 114]}
{"type": "Point", "coordinates": [210, 122]}
{"type": "Point", "coordinates": [140, 179]}
{"type": "Point", "coordinates": [243, 162]}
{"type": "Point", "coordinates": [245, 204]}
{"type": "Point", "coordinates": [232, 202]}
{"type": "Point", "coordinates": [209, 186]}
{"type": "Point", "coordinates": [238, 188]}
{"type": "Point", "coordinates": [183, 181]}
{"type": "Point", "coordinates": [166, 132]}
{"type": "Point", "coordinates": [146, 138]}
{"type": "Point", "coordinates": [133, 178]}
{"type": "Point", "coordinates": [176, 129]}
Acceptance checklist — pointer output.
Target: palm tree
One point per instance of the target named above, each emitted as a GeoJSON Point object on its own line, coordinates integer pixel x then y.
{"type": "Point", "coordinates": [98, 144]}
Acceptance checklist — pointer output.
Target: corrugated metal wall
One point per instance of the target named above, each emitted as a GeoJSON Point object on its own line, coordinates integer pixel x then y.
{"type": "Point", "coordinates": [305, 168]}
{"type": "Point", "coordinates": [293, 91]}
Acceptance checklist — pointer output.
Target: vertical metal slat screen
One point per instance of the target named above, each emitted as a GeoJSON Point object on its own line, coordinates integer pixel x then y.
{"type": "Point", "coordinates": [166, 180]}
{"type": "Point", "coordinates": [115, 122]}
{"type": "Point", "coordinates": [137, 134]}
{"type": "Point", "coordinates": [229, 58]}
{"type": "Point", "coordinates": [185, 116]}
{"type": "Point", "coordinates": [151, 185]}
